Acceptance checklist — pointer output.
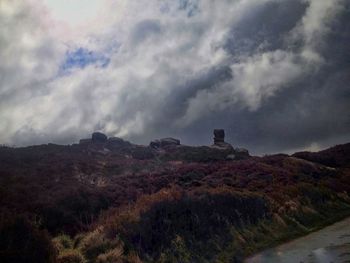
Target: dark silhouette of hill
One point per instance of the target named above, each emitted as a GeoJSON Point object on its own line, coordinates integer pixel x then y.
{"type": "Point", "coordinates": [337, 156]}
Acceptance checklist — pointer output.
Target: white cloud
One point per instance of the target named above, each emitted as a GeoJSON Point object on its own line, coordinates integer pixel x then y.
{"type": "Point", "coordinates": [260, 75]}
{"type": "Point", "coordinates": [74, 12]}
{"type": "Point", "coordinates": [29, 57]}
{"type": "Point", "coordinates": [155, 50]}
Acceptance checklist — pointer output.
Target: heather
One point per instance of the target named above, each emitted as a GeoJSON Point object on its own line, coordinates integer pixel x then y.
{"type": "Point", "coordinates": [113, 201]}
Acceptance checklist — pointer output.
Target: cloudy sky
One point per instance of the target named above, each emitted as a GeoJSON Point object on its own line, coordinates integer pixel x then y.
{"type": "Point", "coordinates": [275, 74]}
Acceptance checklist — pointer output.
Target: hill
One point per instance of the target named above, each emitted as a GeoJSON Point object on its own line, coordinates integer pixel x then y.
{"type": "Point", "coordinates": [337, 156]}
{"type": "Point", "coordinates": [108, 200]}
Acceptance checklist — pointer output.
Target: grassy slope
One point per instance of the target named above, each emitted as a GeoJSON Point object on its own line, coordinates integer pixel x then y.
{"type": "Point", "coordinates": [134, 204]}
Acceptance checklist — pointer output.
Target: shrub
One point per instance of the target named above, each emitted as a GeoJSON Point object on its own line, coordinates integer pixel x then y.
{"type": "Point", "coordinates": [71, 256]}
{"type": "Point", "coordinates": [96, 243]}
{"type": "Point", "coordinates": [198, 219]}
{"type": "Point", "coordinates": [77, 240]}
{"type": "Point", "coordinates": [132, 257]}
{"type": "Point", "coordinates": [111, 256]}
{"type": "Point", "coordinates": [177, 252]}
{"type": "Point", "coordinates": [62, 242]}
{"type": "Point", "coordinates": [22, 242]}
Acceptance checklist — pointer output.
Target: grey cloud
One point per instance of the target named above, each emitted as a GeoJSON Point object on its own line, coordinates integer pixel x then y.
{"type": "Point", "coordinates": [312, 108]}
{"type": "Point", "coordinates": [265, 28]}
{"type": "Point", "coordinates": [145, 29]}
{"type": "Point", "coordinates": [273, 73]}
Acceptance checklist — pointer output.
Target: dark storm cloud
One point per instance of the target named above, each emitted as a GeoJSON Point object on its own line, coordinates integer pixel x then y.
{"type": "Point", "coordinates": [145, 29]}
{"type": "Point", "coordinates": [314, 108]}
{"type": "Point", "coordinates": [265, 28]}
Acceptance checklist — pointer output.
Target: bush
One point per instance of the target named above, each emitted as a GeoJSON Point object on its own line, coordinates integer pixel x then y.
{"type": "Point", "coordinates": [112, 256]}
{"type": "Point", "coordinates": [95, 243]}
{"type": "Point", "coordinates": [21, 241]}
{"type": "Point", "coordinates": [62, 242]}
{"type": "Point", "coordinates": [198, 219]}
{"type": "Point", "coordinates": [133, 258]}
{"type": "Point", "coordinates": [71, 256]}
{"type": "Point", "coordinates": [177, 252]}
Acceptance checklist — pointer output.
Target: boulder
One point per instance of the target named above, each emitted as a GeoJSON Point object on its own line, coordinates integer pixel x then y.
{"type": "Point", "coordinates": [169, 141]}
{"type": "Point", "coordinates": [104, 151]}
{"type": "Point", "coordinates": [164, 142]}
{"type": "Point", "coordinates": [98, 137]}
{"type": "Point", "coordinates": [116, 142]}
{"type": "Point", "coordinates": [219, 140]}
{"type": "Point", "coordinates": [85, 141]}
{"type": "Point", "coordinates": [242, 151]}
{"type": "Point", "coordinates": [223, 146]}
{"type": "Point", "coordinates": [231, 157]}
{"type": "Point", "coordinates": [155, 144]}
{"type": "Point", "coordinates": [219, 136]}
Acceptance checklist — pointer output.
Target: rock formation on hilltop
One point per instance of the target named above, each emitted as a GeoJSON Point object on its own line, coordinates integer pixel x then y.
{"type": "Point", "coordinates": [165, 149]}
{"type": "Point", "coordinates": [118, 142]}
{"type": "Point", "coordinates": [219, 136]}
{"type": "Point", "coordinates": [164, 142]}
{"type": "Point", "coordinates": [99, 137]}
{"type": "Point", "coordinates": [219, 139]}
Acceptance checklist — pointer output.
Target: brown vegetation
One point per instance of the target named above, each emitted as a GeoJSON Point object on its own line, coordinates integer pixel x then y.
{"type": "Point", "coordinates": [176, 204]}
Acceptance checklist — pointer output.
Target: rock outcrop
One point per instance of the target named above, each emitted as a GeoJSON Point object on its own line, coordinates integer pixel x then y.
{"type": "Point", "coordinates": [115, 142]}
{"type": "Point", "coordinates": [101, 144]}
{"type": "Point", "coordinates": [169, 141]}
{"type": "Point", "coordinates": [219, 139]}
{"type": "Point", "coordinates": [166, 148]}
{"type": "Point", "coordinates": [98, 137]}
{"type": "Point", "coordinates": [238, 154]}
{"type": "Point", "coordinates": [219, 136]}
{"type": "Point", "coordinates": [164, 143]}
{"type": "Point", "coordinates": [242, 151]}
{"type": "Point", "coordinates": [85, 141]}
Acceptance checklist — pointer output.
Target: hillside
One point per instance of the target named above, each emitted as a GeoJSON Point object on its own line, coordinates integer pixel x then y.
{"type": "Point", "coordinates": [108, 200]}
{"type": "Point", "coordinates": [337, 156]}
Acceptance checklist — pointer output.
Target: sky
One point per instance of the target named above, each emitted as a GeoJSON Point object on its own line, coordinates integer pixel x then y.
{"type": "Point", "coordinates": [274, 74]}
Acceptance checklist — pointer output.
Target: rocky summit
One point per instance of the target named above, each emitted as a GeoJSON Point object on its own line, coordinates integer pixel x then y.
{"type": "Point", "coordinates": [98, 137]}
{"type": "Point", "coordinates": [219, 136]}
{"type": "Point", "coordinates": [164, 143]}
{"type": "Point", "coordinates": [219, 142]}
{"type": "Point", "coordinates": [165, 148]}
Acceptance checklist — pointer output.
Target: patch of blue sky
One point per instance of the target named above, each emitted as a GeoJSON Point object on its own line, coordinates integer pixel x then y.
{"type": "Point", "coordinates": [81, 57]}
{"type": "Point", "coordinates": [190, 6]}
